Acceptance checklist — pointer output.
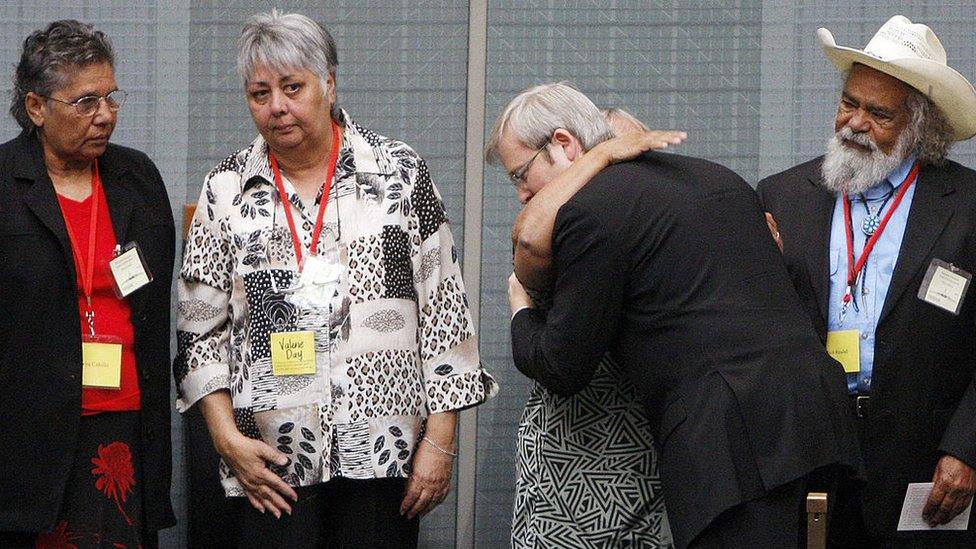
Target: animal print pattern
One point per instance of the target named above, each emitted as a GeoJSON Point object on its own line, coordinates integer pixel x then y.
{"type": "Point", "coordinates": [397, 372]}
{"type": "Point", "coordinates": [444, 319]}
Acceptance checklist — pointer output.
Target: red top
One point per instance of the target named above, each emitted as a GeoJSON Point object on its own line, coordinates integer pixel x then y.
{"type": "Point", "coordinates": [111, 313]}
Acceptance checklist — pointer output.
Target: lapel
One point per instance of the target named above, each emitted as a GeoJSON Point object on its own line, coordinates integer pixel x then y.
{"type": "Point", "coordinates": [929, 215]}
{"type": "Point", "coordinates": [122, 199]}
{"type": "Point", "coordinates": [119, 194]}
{"type": "Point", "coordinates": [821, 204]}
{"type": "Point", "coordinates": [41, 198]}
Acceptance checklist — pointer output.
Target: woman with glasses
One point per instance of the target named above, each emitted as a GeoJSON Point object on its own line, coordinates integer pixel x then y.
{"type": "Point", "coordinates": [324, 330]}
{"type": "Point", "coordinates": [86, 252]}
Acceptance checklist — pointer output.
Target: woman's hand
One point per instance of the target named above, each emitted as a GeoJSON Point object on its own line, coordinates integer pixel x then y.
{"type": "Point", "coordinates": [430, 481]}
{"type": "Point", "coordinates": [249, 459]}
{"type": "Point", "coordinates": [631, 145]}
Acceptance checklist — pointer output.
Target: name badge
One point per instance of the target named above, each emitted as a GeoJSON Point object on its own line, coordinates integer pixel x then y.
{"type": "Point", "coordinates": [293, 353]}
{"type": "Point", "coordinates": [944, 286]}
{"type": "Point", "coordinates": [101, 365]}
{"type": "Point", "coordinates": [844, 347]}
{"type": "Point", "coordinates": [129, 270]}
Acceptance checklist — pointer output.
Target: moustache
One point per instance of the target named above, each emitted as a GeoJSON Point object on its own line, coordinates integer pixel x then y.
{"type": "Point", "coordinates": [862, 139]}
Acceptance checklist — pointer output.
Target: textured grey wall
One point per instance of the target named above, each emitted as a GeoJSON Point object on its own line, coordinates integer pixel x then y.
{"type": "Point", "coordinates": [745, 78]}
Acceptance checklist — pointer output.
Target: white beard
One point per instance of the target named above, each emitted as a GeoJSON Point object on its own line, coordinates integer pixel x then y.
{"type": "Point", "coordinates": [849, 170]}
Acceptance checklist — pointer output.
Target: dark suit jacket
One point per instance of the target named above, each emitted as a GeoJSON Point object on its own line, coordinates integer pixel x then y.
{"type": "Point", "coordinates": [923, 397]}
{"type": "Point", "coordinates": [666, 263]}
{"type": "Point", "coordinates": [40, 337]}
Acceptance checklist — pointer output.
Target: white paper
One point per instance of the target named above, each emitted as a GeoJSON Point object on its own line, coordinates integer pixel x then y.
{"type": "Point", "coordinates": [911, 511]}
{"type": "Point", "coordinates": [129, 273]}
{"type": "Point", "coordinates": [946, 289]}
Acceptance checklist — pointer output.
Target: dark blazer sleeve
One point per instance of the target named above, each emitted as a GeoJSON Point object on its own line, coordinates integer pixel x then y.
{"type": "Point", "coordinates": [561, 350]}
{"type": "Point", "coordinates": [959, 439]}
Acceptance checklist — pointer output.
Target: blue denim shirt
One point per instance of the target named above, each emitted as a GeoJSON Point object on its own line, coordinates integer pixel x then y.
{"type": "Point", "coordinates": [875, 277]}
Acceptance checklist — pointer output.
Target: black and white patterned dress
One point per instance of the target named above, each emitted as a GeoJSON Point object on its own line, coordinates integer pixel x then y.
{"type": "Point", "coordinates": [587, 472]}
{"type": "Point", "coordinates": [395, 344]}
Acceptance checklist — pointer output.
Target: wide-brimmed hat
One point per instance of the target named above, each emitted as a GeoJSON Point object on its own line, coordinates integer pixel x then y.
{"type": "Point", "coordinates": [913, 54]}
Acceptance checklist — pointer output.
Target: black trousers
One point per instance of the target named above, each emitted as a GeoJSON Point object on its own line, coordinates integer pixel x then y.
{"type": "Point", "coordinates": [775, 520]}
{"type": "Point", "coordinates": [338, 514]}
{"type": "Point", "coordinates": [846, 528]}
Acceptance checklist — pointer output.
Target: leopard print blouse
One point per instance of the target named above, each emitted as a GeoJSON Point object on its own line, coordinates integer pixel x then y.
{"type": "Point", "coordinates": [395, 344]}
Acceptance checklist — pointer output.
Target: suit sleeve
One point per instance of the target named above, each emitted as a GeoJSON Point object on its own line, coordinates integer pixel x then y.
{"type": "Point", "coordinates": [959, 439]}
{"type": "Point", "coordinates": [562, 349]}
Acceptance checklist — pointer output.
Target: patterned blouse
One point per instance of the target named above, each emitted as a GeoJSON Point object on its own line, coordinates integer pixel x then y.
{"type": "Point", "coordinates": [395, 344]}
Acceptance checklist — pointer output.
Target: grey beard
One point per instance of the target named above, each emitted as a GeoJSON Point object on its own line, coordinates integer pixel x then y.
{"type": "Point", "coordinates": [848, 170]}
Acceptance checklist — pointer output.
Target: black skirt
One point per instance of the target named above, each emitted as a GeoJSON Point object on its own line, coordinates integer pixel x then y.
{"type": "Point", "coordinates": [103, 498]}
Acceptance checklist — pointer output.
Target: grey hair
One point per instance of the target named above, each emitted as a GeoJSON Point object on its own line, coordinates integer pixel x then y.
{"type": "Point", "coordinates": [930, 133]}
{"type": "Point", "coordinates": [615, 113]}
{"type": "Point", "coordinates": [49, 57]}
{"type": "Point", "coordinates": [283, 41]}
{"type": "Point", "coordinates": [538, 111]}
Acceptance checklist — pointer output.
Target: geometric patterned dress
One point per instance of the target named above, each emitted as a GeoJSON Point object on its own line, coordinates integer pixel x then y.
{"type": "Point", "coordinates": [586, 469]}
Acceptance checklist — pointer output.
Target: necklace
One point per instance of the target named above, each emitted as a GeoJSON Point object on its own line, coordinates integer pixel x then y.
{"type": "Point", "coordinates": [873, 219]}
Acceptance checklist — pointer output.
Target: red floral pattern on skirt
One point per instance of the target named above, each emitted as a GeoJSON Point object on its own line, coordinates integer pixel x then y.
{"type": "Point", "coordinates": [114, 474]}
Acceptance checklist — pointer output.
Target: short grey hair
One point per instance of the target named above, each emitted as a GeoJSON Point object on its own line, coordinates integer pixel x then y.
{"type": "Point", "coordinates": [49, 57]}
{"type": "Point", "coordinates": [616, 113]}
{"type": "Point", "coordinates": [283, 41]}
{"type": "Point", "coordinates": [538, 111]}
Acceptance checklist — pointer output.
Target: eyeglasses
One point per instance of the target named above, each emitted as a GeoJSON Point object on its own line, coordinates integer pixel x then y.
{"type": "Point", "coordinates": [518, 176]}
{"type": "Point", "coordinates": [88, 105]}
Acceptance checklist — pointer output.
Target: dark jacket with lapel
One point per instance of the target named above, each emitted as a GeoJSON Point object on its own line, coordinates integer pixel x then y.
{"type": "Point", "coordinates": [40, 336]}
{"type": "Point", "coordinates": [666, 263]}
{"type": "Point", "coordinates": [923, 396]}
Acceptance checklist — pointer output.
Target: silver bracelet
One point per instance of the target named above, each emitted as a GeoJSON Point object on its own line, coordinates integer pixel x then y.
{"type": "Point", "coordinates": [438, 448]}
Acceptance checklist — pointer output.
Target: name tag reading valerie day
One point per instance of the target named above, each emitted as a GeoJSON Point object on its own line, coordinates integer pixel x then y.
{"type": "Point", "coordinates": [293, 353]}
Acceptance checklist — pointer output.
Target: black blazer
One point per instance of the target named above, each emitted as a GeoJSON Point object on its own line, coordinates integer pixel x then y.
{"type": "Point", "coordinates": [666, 263]}
{"type": "Point", "coordinates": [40, 337]}
{"type": "Point", "coordinates": [923, 396]}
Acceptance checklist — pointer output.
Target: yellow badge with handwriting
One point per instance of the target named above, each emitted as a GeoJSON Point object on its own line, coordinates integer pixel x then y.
{"type": "Point", "coordinates": [844, 346]}
{"type": "Point", "coordinates": [293, 353]}
{"type": "Point", "coordinates": [101, 365]}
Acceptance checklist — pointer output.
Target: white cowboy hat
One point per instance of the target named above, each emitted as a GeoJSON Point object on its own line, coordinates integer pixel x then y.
{"type": "Point", "coordinates": [913, 54]}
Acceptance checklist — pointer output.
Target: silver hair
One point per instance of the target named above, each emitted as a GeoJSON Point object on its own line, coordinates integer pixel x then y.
{"type": "Point", "coordinates": [930, 132]}
{"type": "Point", "coordinates": [538, 111]}
{"type": "Point", "coordinates": [283, 41]}
{"type": "Point", "coordinates": [619, 117]}
{"type": "Point", "coordinates": [847, 170]}
{"type": "Point", "coordinates": [49, 57]}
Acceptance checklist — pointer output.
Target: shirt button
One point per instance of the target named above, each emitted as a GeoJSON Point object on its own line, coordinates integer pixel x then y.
{"type": "Point", "coordinates": [864, 335]}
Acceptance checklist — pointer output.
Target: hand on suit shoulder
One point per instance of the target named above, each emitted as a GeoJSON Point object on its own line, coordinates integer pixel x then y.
{"type": "Point", "coordinates": [631, 145]}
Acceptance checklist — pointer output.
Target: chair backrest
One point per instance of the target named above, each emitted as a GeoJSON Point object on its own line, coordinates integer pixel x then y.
{"type": "Point", "coordinates": [188, 211]}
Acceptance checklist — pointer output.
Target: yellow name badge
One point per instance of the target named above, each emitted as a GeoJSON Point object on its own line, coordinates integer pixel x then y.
{"type": "Point", "coordinates": [844, 346]}
{"type": "Point", "coordinates": [293, 353]}
{"type": "Point", "coordinates": [101, 365]}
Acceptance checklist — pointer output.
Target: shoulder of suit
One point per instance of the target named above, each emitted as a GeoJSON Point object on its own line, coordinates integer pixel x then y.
{"type": "Point", "coordinates": [801, 173]}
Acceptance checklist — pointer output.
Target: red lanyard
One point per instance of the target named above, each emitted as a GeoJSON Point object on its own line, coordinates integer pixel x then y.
{"type": "Point", "coordinates": [854, 269]}
{"type": "Point", "coordinates": [86, 268]}
{"type": "Point", "coordinates": [326, 187]}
